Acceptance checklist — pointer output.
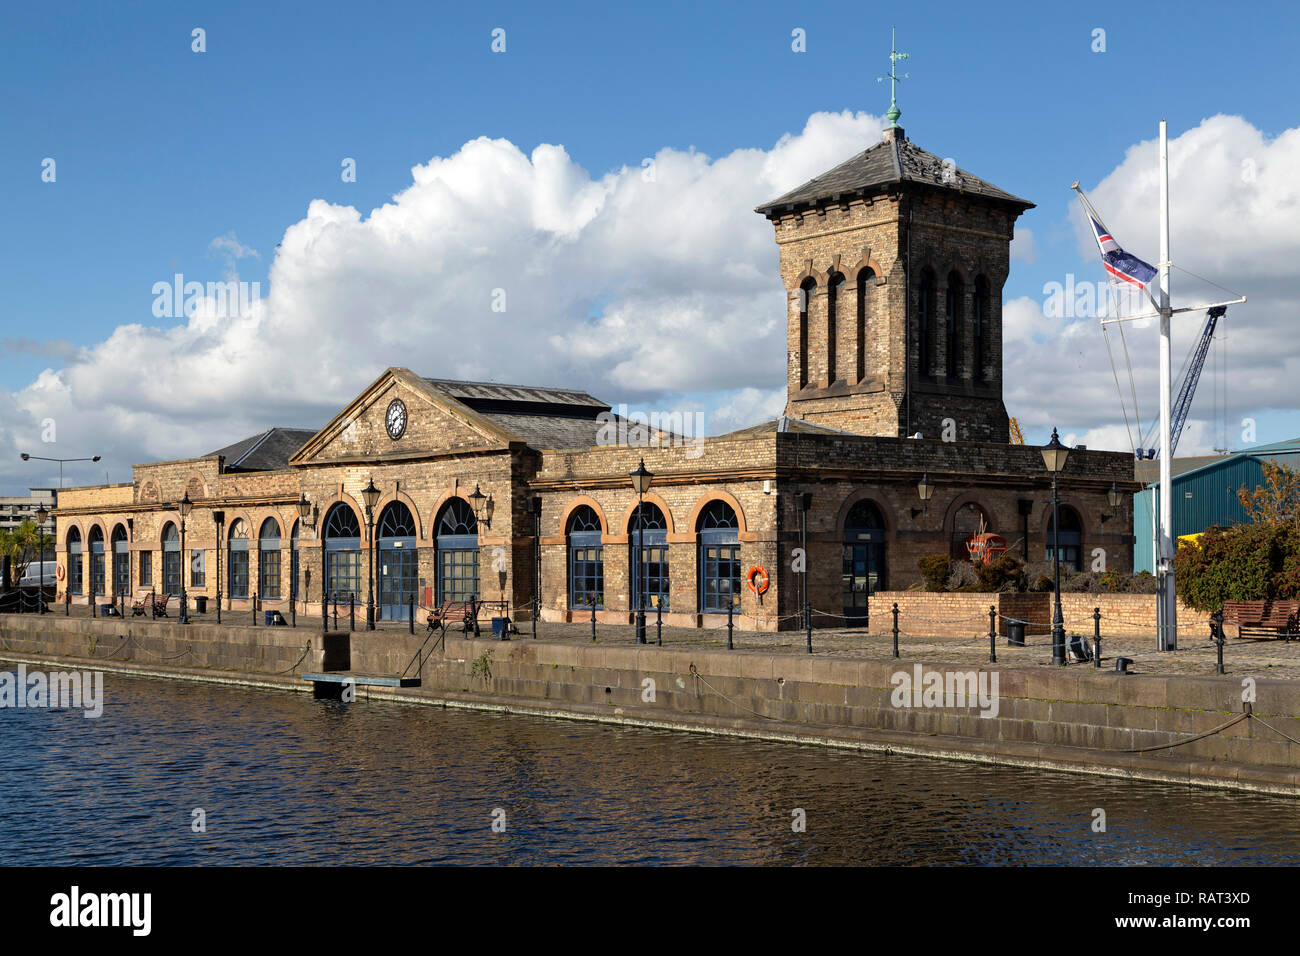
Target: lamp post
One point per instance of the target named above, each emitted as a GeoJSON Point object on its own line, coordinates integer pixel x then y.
{"type": "Point", "coordinates": [304, 515]}
{"type": "Point", "coordinates": [218, 518]}
{"type": "Point", "coordinates": [27, 457]}
{"type": "Point", "coordinates": [370, 495]}
{"type": "Point", "coordinates": [186, 507]}
{"type": "Point", "coordinates": [1054, 457]}
{"type": "Point", "coordinates": [41, 515]}
{"type": "Point", "coordinates": [535, 508]}
{"type": "Point", "coordinates": [924, 489]}
{"type": "Point", "coordinates": [641, 481]}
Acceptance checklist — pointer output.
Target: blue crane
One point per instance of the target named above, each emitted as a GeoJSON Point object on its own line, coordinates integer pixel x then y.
{"type": "Point", "coordinates": [1183, 404]}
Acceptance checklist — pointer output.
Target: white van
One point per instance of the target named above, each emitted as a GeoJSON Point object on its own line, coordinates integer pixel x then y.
{"type": "Point", "coordinates": [34, 572]}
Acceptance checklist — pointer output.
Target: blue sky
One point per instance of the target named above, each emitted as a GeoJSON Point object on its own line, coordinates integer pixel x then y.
{"type": "Point", "coordinates": [159, 150]}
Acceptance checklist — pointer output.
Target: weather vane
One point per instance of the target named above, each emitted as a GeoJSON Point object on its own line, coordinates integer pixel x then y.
{"type": "Point", "coordinates": [893, 77]}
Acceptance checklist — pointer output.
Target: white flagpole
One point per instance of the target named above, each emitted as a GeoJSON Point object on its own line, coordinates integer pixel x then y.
{"type": "Point", "coordinates": [1167, 625]}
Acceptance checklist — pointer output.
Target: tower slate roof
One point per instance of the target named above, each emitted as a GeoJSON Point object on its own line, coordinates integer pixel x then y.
{"type": "Point", "coordinates": [893, 161]}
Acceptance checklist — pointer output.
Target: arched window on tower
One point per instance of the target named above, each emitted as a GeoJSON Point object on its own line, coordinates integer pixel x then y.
{"type": "Point", "coordinates": [805, 297]}
{"type": "Point", "coordinates": [925, 324]}
{"type": "Point", "coordinates": [865, 280]}
{"type": "Point", "coordinates": [979, 327]}
{"type": "Point", "coordinates": [834, 301]}
{"type": "Point", "coordinates": [952, 327]}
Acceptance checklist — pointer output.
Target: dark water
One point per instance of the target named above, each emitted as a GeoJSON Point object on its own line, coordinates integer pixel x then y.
{"type": "Point", "coordinates": [289, 780]}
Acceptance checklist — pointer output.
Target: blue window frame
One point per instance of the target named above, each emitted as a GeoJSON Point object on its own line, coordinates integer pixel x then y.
{"type": "Point", "coordinates": [648, 533]}
{"type": "Point", "coordinates": [171, 541]}
{"type": "Point", "coordinates": [237, 569]}
{"type": "Point", "coordinates": [342, 554]}
{"type": "Point", "coordinates": [719, 558]}
{"type": "Point", "coordinates": [98, 582]}
{"type": "Point", "coordinates": [146, 569]}
{"type": "Point", "coordinates": [398, 573]}
{"type": "Point", "coordinates": [586, 560]}
{"type": "Point", "coordinates": [74, 561]}
{"type": "Point", "coordinates": [1069, 541]}
{"type": "Point", "coordinates": [121, 561]}
{"type": "Point", "coordinates": [268, 560]}
{"type": "Point", "coordinates": [457, 541]}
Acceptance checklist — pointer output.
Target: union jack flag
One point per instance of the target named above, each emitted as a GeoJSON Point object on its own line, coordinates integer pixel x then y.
{"type": "Point", "coordinates": [1120, 264]}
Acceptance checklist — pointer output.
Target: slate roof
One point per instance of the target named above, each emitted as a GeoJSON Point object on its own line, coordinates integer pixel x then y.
{"type": "Point", "coordinates": [891, 161]}
{"type": "Point", "coordinates": [265, 451]}
{"type": "Point", "coordinates": [542, 417]}
{"type": "Point", "coordinates": [785, 424]}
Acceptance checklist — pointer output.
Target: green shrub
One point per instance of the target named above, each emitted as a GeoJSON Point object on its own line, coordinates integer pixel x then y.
{"type": "Point", "coordinates": [935, 568]}
{"type": "Point", "coordinates": [1004, 573]}
{"type": "Point", "coordinates": [1248, 562]}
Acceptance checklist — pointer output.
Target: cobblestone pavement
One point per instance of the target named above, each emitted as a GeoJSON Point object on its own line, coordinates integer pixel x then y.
{"type": "Point", "coordinates": [1271, 658]}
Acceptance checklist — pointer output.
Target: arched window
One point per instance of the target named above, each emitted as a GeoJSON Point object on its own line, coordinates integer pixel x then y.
{"type": "Point", "coordinates": [586, 559]}
{"type": "Point", "coordinates": [866, 278]}
{"type": "Point", "coordinates": [649, 575]}
{"type": "Point", "coordinates": [719, 558]}
{"type": "Point", "coordinates": [171, 569]}
{"type": "Point", "coordinates": [979, 321]}
{"type": "Point", "coordinates": [399, 572]}
{"type": "Point", "coordinates": [457, 552]}
{"type": "Point", "coordinates": [864, 558]}
{"type": "Point", "coordinates": [952, 327]}
{"type": "Point", "coordinates": [237, 565]}
{"type": "Point", "coordinates": [342, 554]}
{"type": "Point", "coordinates": [74, 561]}
{"type": "Point", "coordinates": [834, 301]}
{"type": "Point", "coordinates": [1069, 541]}
{"type": "Point", "coordinates": [268, 560]}
{"type": "Point", "coordinates": [925, 324]}
{"type": "Point", "coordinates": [806, 291]}
{"type": "Point", "coordinates": [969, 520]}
{"type": "Point", "coordinates": [121, 561]}
{"type": "Point", "coordinates": [98, 584]}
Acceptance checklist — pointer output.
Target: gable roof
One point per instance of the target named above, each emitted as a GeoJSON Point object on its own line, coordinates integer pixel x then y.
{"type": "Point", "coordinates": [265, 451]}
{"type": "Point", "coordinates": [894, 160]}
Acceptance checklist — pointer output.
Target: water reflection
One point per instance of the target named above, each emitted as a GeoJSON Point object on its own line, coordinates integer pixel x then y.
{"type": "Point", "coordinates": [290, 780]}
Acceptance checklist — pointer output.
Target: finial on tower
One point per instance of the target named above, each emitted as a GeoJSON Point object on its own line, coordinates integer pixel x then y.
{"type": "Point", "coordinates": [893, 77]}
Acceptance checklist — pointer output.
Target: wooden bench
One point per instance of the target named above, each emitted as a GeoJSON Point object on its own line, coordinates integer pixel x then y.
{"type": "Point", "coordinates": [466, 612]}
{"type": "Point", "coordinates": [1266, 618]}
{"type": "Point", "coordinates": [150, 603]}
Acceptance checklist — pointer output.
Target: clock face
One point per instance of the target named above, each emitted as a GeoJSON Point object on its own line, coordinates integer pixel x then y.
{"type": "Point", "coordinates": [395, 419]}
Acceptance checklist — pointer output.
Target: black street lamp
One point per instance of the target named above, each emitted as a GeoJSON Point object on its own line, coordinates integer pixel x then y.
{"type": "Point", "coordinates": [1054, 457]}
{"type": "Point", "coordinates": [186, 507]}
{"type": "Point", "coordinates": [41, 515]}
{"type": "Point", "coordinates": [483, 506]}
{"type": "Point", "coordinates": [26, 457]}
{"type": "Point", "coordinates": [304, 515]}
{"type": "Point", "coordinates": [925, 489]}
{"type": "Point", "coordinates": [370, 495]}
{"type": "Point", "coordinates": [218, 518]}
{"type": "Point", "coordinates": [1113, 497]}
{"type": "Point", "coordinates": [641, 481]}
{"type": "Point", "coordinates": [535, 509]}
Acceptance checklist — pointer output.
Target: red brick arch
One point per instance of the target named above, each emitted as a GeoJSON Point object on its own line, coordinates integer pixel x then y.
{"type": "Point", "coordinates": [718, 495]}
{"type": "Point", "coordinates": [652, 498]}
{"type": "Point", "coordinates": [574, 504]}
{"type": "Point", "coordinates": [407, 500]}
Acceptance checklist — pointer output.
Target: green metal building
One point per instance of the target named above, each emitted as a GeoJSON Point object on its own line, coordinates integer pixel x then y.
{"type": "Point", "coordinates": [1205, 493]}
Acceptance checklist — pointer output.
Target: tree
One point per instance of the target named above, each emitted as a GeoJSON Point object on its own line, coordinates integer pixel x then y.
{"type": "Point", "coordinates": [19, 545]}
{"type": "Point", "coordinates": [1277, 501]}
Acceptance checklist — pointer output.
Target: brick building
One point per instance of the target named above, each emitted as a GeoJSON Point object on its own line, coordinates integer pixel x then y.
{"type": "Point", "coordinates": [894, 264]}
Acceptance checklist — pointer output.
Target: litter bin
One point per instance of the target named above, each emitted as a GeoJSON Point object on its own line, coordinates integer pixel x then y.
{"type": "Point", "coordinates": [1016, 633]}
{"type": "Point", "coordinates": [273, 618]}
{"type": "Point", "coordinates": [108, 610]}
{"type": "Point", "coordinates": [501, 628]}
{"type": "Point", "coordinates": [201, 604]}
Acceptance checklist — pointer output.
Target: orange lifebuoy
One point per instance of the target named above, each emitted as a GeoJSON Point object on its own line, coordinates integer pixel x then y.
{"type": "Point", "coordinates": [58, 572]}
{"type": "Point", "coordinates": [764, 582]}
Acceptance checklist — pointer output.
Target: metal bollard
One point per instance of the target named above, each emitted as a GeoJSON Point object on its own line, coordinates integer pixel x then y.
{"type": "Point", "coordinates": [659, 623]}
{"type": "Point", "coordinates": [1096, 637]}
{"type": "Point", "coordinates": [254, 604]}
{"type": "Point", "coordinates": [324, 611]}
{"type": "Point", "coordinates": [293, 612]}
{"type": "Point", "coordinates": [895, 629]}
{"type": "Point", "coordinates": [730, 626]}
{"type": "Point", "coordinates": [410, 614]}
{"type": "Point", "coordinates": [593, 621]}
{"type": "Point", "coordinates": [993, 634]}
{"type": "Point", "coordinates": [336, 610]}
{"type": "Point", "coordinates": [67, 602]}
{"type": "Point", "coordinates": [352, 611]}
{"type": "Point", "coordinates": [1218, 640]}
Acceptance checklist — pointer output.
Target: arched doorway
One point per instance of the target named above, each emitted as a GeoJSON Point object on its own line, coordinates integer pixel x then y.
{"type": "Point", "coordinates": [457, 541]}
{"type": "Point", "coordinates": [864, 566]}
{"type": "Point", "coordinates": [968, 521]}
{"type": "Point", "coordinates": [74, 561]}
{"type": "Point", "coordinates": [398, 562]}
{"type": "Point", "coordinates": [1069, 542]}
{"type": "Point", "coordinates": [98, 584]}
{"type": "Point", "coordinates": [342, 554]}
{"type": "Point", "coordinates": [649, 570]}
{"type": "Point", "coordinates": [718, 532]}
{"type": "Point", "coordinates": [236, 561]}
{"type": "Point", "coordinates": [171, 569]}
{"type": "Point", "coordinates": [121, 562]}
{"type": "Point", "coordinates": [586, 559]}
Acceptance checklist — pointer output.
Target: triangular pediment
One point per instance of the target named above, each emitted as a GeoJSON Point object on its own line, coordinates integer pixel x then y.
{"type": "Point", "coordinates": [427, 420]}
